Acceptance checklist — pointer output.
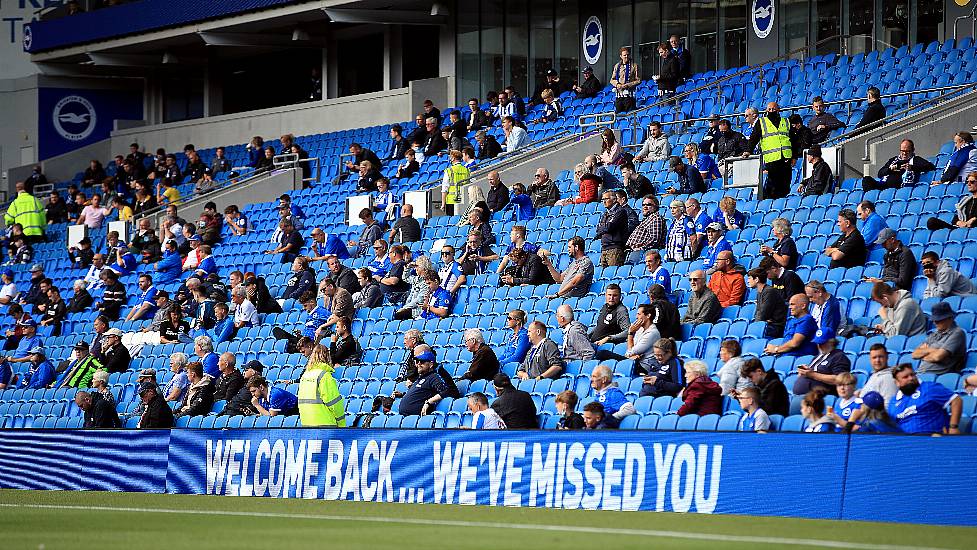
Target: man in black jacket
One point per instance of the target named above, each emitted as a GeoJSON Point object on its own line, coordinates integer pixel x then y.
{"type": "Point", "coordinates": [488, 146]}
{"type": "Point", "coordinates": [343, 276]}
{"type": "Point", "coordinates": [902, 170]}
{"type": "Point", "coordinates": [231, 380]}
{"type": "Point", "coordinates": [435, 142]}
{"type": "Point", "coordinates": [115, 355]}
{"type": "Point", "coordinates": [773, 393]}
{"type": "Point", "coordinates": [157, 412]}
{"type": "Point", "coordinates": [823, 122]}
{"type": "Point", "coordinates": [590, 86]}
{"type": "Point", "coordinates": [476, 119]}
{"type": "Point", "coordinates": [515, 407]}
{"type": "Point", "coordinates": [729, 143]}
{"type": "Point", "coordinates": [498, 194]}
{"type": "Point", "coordinates": [485, 364]}
{"type": "Point", "coordinates": [612, 230]}
{"type": "Point", "coordinates": [525, 268]}
{"type": "Point", "coordinates": [99, 413]}
{"type": "Point", "coordinates": [874, 111]}
{"type": "Point", "coordinates": [819, 181]}
{"type": "Point", "coordinates": [240, 402]}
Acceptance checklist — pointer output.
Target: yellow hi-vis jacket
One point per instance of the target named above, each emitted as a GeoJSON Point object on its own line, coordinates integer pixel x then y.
{"type": "Point", "coordinates": [320, 403]}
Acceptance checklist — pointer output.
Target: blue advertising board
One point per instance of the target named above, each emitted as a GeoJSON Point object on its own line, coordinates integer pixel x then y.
{"type": "Point", "coordinates": [73, 118]}
{"type": "Point", "coordinates": [607, 470]}
{"type": "Point", "coordinates": [829, 476]}
{"type": "Point", "coordinates": [89, 460]}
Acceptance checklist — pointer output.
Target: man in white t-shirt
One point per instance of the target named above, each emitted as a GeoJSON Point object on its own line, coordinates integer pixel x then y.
{"type": "Point", "coordinates": [245, 314]}
{"type": "Point", "coordinates": [9, 290]}
{"type": "Point", "coordinates": [483, 418]}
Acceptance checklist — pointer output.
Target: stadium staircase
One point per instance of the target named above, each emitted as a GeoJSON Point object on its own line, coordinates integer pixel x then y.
{"type": "Point", "coordinates": [481, 303]}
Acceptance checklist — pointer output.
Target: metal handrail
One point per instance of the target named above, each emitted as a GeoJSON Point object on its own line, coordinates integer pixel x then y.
{"type": "Point", "coordinates": [633, 115]}
{"type": "Point", "coordinates": [973, 20]}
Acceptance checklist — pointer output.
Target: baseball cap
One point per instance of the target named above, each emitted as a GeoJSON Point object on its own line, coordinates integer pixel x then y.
{"type": "Point", "coordinates": [8, 273]}
{"type": "Point", "coordinates": [37, 267]}
{"type": "Point", "coordinates": [162, 294]}
{"type": "Point", "coordinates": [145, 373]}
{"type": "Point", "coordinates": [873, 400]}
{"type": "Point", "coordinates": [822, 336]}
{"type": "Point", "coordinates": [36, 350]}
{"type": "Point", "coordinates": [941, 311]}
{"type": "Point", "coordinates": [146, 386]}
{"type": "Point", "coordinates": [28, 322]}
{"type": "Point", "coordinates": [81, 345]}
{"type": "Point", "coordinates": [113, 332]}
{"type": "Point", "coordinates": [551, 72]}
{"type": "Point", "coordinates": [814, 150]}
{"type": "Point", "coordinates": [714, 226]}
{"type": "Point", "coordinates": [588, 70]}
{"type": "Point", "coordinates": [885, 235]}
{"type": "Point", "coordinates": [714, 117]}
{"type": "Point", "coordinates": [426, 356]}
{"type": "Point", "coordinates": [195, 238]}
{"type": "Point", "coordinates": [254, 365]}
{"type": "Point", "coordinates": [674, 163]}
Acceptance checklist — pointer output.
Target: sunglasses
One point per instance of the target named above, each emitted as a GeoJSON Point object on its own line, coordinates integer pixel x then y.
{"type": "Point", "coordinates": [929, 266]}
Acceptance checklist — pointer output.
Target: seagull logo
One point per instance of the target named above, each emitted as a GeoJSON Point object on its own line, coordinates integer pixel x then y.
{"type": "Point", "coordinates": [764, 12]}
{"type": "Point", "coordinates": [593, 40]}
{"type": "Point", "coordinates": [72, 118]}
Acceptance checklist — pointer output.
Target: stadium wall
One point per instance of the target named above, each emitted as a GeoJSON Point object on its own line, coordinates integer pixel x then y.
{"type": "Point", "coordinates": [307, 118]}
{"type": "Point", "coordinates": [799, 475]}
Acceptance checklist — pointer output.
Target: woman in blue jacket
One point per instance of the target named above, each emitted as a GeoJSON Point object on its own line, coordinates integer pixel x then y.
{"type": "Point", "coordinates": [516, 346]}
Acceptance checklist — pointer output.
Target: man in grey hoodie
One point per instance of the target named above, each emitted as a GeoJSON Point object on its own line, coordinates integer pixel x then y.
{"type": "Point", "coordinates": [942, 280]}
{"type": "Point", "coordinates": [901, 315]}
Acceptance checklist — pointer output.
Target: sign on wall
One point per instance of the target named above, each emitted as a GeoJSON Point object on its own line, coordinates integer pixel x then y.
{"type": "Point", "coordinates": [69, 119]}
{"type": "Point", "coordinates": [763, 16]}
{"type": "Point", "coordinates": [593, 40]}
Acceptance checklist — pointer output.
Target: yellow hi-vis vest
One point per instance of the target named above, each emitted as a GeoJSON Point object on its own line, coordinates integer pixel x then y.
{"type": "Point", "coordinates": [320, 403]}
{"type": "Point", "coordinates": [457, 174]}
{"type": "Point", "coordinates": [28, 212]}
{"type": "Point", "coordinates": [774, 140]}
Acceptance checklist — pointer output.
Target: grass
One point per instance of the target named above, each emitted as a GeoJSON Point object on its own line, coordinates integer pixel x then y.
{"type": "Point", "coordinates": [34, 520]}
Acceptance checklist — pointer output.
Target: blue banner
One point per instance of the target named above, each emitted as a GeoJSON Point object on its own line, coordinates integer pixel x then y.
{"type": "Point", "coordinates": [607, 470]}
{"type": "Point", "coordinates": [140, 16]}
{"type": "Point", "coordinates": [89, 460]}
{"type": "Point", "coordinates": [70, 118]}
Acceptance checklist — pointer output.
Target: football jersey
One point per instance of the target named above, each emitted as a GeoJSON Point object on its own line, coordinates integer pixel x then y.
{"type": "Point", "coordinates": [924, 411]}
{"type": "Point", "coordinates": [487, 420]}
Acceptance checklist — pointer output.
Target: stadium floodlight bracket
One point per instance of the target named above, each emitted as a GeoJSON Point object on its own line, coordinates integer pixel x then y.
{"type": "Point", "coordinates": [385, 17]}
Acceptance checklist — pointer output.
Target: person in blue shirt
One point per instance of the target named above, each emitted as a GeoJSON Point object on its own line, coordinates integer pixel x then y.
{"type": "Point", "coordinates": [716, 243]}
{"type": "Point", "coordinates": [317, 316]}
{"type": "Point", "coordinates": [697, 219]}
{"type": "Point", "coordinates": [517, 345]}
{"type": "Point", "coordinates": [125, 262]}
{"type": "Point", "coordinates": [920, 408]}
{"type": "Point", "coordinates": [813, 410]}
{"type": "Point", "coordinates": [608, 394]}
{"type": "Point", "coordinates": [271, 401]}
{"type": "Point", "coordinates": [385, 200]}
{"type": "Point", "coordinates": [170, 268]}
{"type": "Point", "coordinates": [41, 373]}
{"type": "Point", "coordinates": [439, 302]}
{"type": "Point", "coordinates": [297, 213]}
{"type": "Point", "coordinates": [21, 354]}
{"type": "Point", "coordinates": [521, 204]}
{"type": "Point", "coordinates": [223, 330]}
{"type": "Point", "coordinates": [799, 332]}
{"type": "Point", "coordinates": [872, 416]}
{"type": "Point", "coordinates": [207, 263]}
{"type": "Point", "coordinates": [301, 281]}
{"type": "Point", "coordinates": [962, 161]}
{"type": "Point", "coordinates": [203, 347]}
{"type": "Point", "coordinates": [689, 178]}
{"type": "Point", "coordinates": [146, 301]}
{"type": "Point", "coordinates": [325, 245]}
{"type": "Point", "coordinates": [825, 308]}
{"type": "Point", "coordinates": [703, 162]}
{"type": "Point", "coordinates": [728, 216]}
{"type": "Point", "coordinates": [872, 223]}
{"type": "Point", "coordinates": [657, 274]}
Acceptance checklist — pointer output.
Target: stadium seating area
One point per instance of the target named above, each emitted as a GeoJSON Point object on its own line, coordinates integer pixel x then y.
{"type": "Point", "coordinates": [482, 302]}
